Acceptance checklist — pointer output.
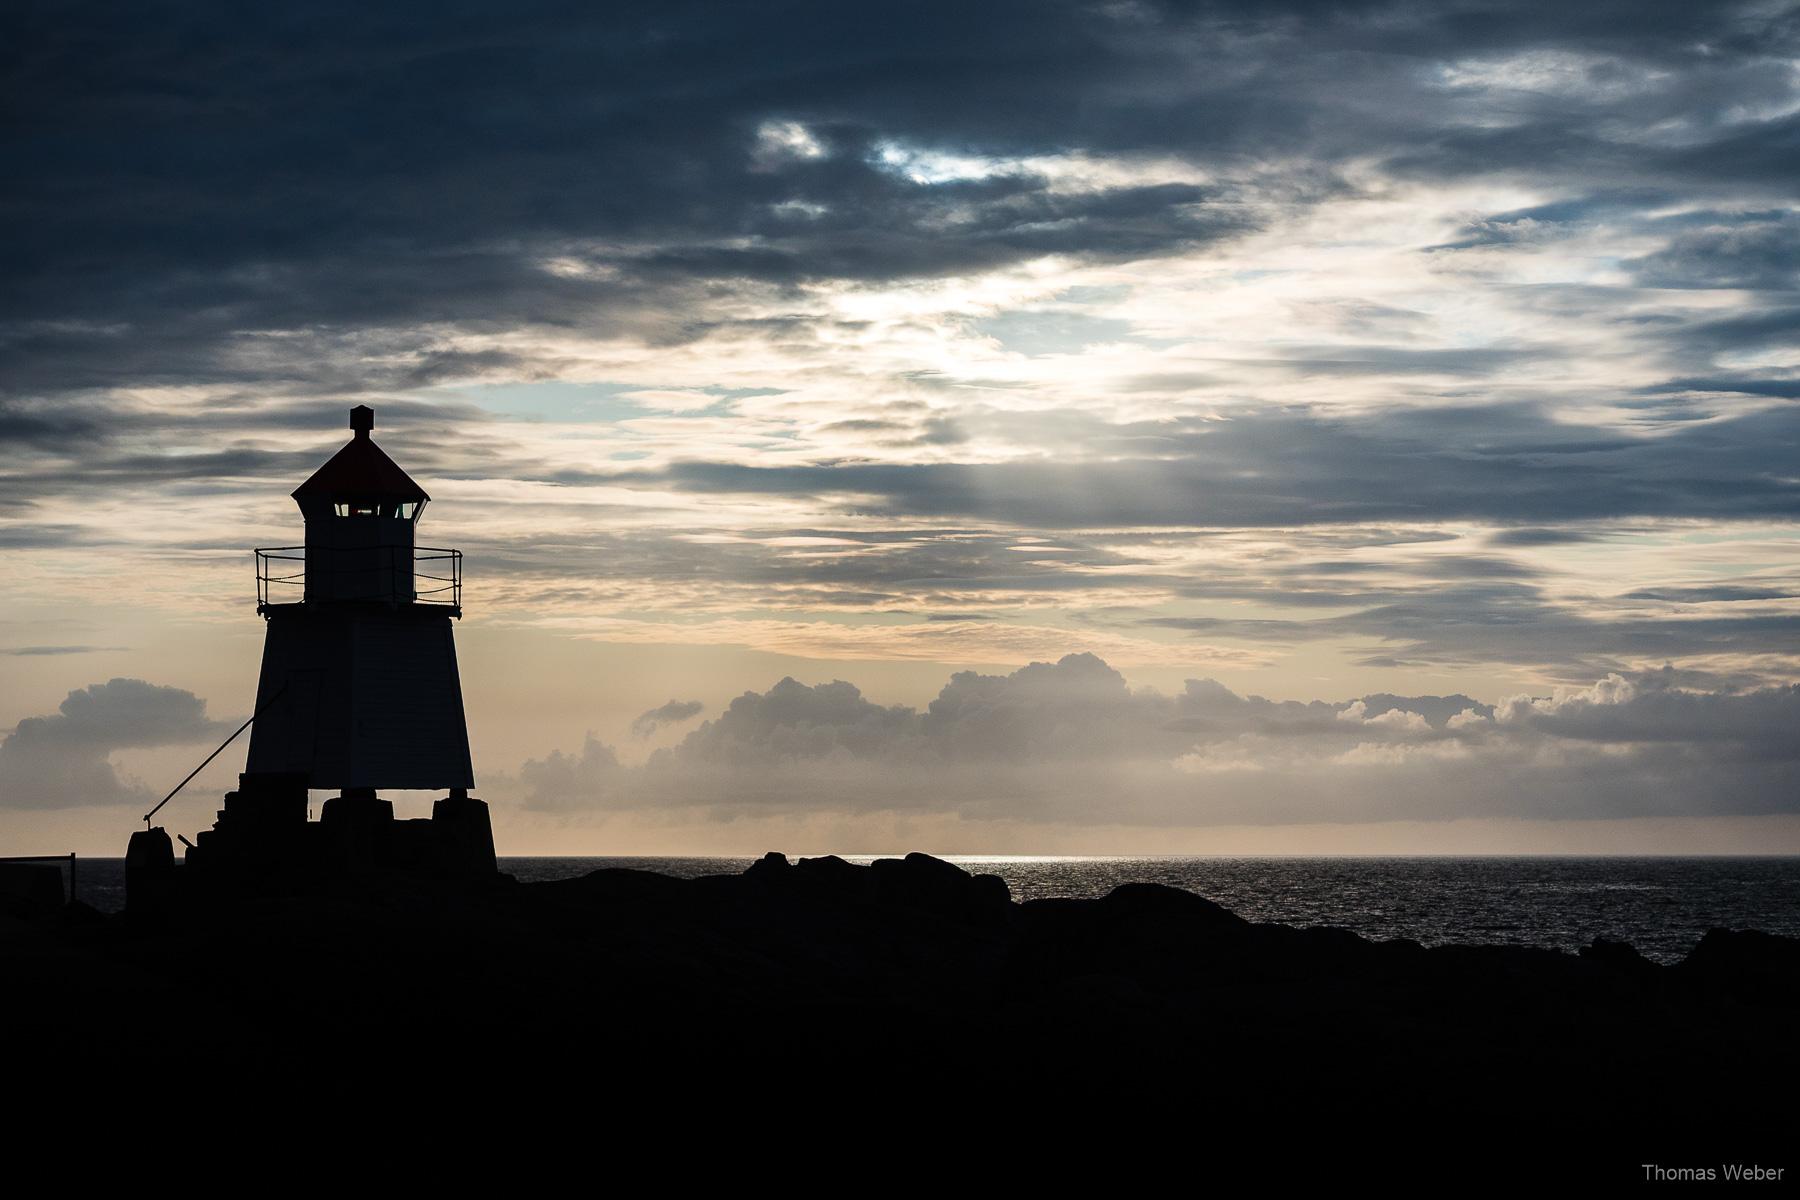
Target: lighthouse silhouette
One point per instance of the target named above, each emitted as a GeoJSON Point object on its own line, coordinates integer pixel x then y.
{"type": "Point", "coordinates": [359, 669]}
{"type": "Point", "coordinates": [359, 692]}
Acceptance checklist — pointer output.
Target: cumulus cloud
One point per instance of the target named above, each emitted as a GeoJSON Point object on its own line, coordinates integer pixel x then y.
{"type": "Point", "coordinates": [62, 760]}
{"type": "Point", "coordinates": [794, 722]}
{"type": "Point", "coordinates": [561, 781]}
{"type": "Point", "coordinates": [1395, 719]}
{"type": "Point", "coordinates": [1072, 742]}
{"type": "Point", "coordinates": [1652, 709]}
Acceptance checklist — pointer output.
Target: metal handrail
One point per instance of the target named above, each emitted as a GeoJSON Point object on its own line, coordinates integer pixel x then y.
{"type": "Point", "coordinates": [269, 581]}
{"type": "Point", "coordinates": [234, 737]}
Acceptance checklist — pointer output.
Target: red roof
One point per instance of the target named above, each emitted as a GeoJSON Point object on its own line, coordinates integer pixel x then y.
{"type": "Point", "coordinates": [361, 469]}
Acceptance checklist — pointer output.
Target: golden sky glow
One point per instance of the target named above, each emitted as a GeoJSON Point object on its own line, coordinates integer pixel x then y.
{"type": "Point", "coordinates": [1324, 360]}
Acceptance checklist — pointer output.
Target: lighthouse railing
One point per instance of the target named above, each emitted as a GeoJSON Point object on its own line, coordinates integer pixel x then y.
{"type": "Point", "coordinates": [436, 576]}
{"type": "Point", "coordinates": [280, 575]}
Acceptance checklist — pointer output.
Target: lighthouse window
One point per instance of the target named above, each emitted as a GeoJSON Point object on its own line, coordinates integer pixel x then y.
{"type": "Point", "coordinates": [405, 510]}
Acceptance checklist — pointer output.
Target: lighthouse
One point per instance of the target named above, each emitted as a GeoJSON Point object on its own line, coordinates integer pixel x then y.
{"type": "Point", "coordinates": [359, 688]}
{"type": "Point", "coordinates": [359, 692]}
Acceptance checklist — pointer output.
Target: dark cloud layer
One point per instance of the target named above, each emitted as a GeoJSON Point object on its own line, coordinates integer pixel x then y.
{"type": "Point", "coordinates": [1296, 467]}
{"type": "Point", "coordinates": [311, 200]}
{"type": "Point", "coordinates": [184, 174]}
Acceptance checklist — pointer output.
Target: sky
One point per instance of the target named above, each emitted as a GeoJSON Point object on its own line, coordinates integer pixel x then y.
{"type": "Point", "coordinates": [1006, 428]}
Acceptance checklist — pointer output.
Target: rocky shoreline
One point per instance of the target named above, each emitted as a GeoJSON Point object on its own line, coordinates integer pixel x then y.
{"type": "Point", "coordinates": [916, 964]}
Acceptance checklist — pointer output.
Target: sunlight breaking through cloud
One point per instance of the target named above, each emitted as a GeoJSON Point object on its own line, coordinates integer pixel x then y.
{"type": "Point", "coordinates": [1407, 348]}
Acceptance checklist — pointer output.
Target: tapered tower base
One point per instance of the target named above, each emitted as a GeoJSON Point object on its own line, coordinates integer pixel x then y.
{"type": "Point", "coordinates": [361, 696]}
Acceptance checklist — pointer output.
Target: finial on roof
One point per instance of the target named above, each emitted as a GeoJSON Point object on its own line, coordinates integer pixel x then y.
{"type": "Point", "coordinates": [362, 419]}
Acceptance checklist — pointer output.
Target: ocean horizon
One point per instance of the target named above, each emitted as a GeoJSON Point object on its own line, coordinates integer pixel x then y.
{"type": "Point", "coordinates": [1661, 904]}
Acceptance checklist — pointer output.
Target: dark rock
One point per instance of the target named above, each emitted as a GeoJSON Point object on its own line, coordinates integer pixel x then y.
{"type": "Point", "coordinates": [831, 876]}
{"type": "Point", "coordinates": [896, 988]}
{"type": "Point", "coordinates": [1159, 902]}
{"type": "Point", "coordinates": [618, 883]}
{"type": "Point", "coordinates": [926, 884]}
{"type": "Point", "coordinates": [769, 867]}
{"type": "Point", "coordinates": [1622, 957]}
{"type": "Point", "coordinates": [991, 892]}
{"type": "Point", "coordinates": [1760, 968]}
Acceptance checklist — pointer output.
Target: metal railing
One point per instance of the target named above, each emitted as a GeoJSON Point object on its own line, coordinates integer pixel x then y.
{"type": "Point", "coordinates": [270, 587]}
{"type": "Point", "coordinates": [447, 561]}
{"type": "Point", "coordinates": [364, 573]}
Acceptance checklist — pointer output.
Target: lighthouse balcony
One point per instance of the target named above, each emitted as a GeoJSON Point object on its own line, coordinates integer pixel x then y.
{"type": "Point", "coordinates": [392, 575]}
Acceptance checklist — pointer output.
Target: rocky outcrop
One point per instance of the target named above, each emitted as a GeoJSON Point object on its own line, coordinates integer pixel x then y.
{"type": "Point", "coordinates": [826, 966]}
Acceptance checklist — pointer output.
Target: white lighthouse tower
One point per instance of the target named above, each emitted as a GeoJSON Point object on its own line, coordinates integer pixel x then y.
{"type": "Point", "coordinates": [359, 692]}
{"type": "Point", "coordinates": [359, 664]}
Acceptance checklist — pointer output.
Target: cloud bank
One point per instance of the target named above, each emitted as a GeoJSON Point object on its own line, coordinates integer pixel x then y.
{"type": "Point", "coordinates": [1071, 743]}
{"type": "Point", "coordinates": [1317, 348]}
{"type": "Point", "coordinates": [1182, 315]}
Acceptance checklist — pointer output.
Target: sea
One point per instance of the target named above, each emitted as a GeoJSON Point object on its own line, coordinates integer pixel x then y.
{"type": "Point", "coordinates": [1663, 906]}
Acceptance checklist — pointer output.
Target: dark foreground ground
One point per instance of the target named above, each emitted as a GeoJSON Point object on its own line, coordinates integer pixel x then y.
{"type": "Point", "coordinates": [821, 1011]}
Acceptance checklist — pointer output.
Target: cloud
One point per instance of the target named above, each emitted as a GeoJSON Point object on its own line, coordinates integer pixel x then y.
{"type": "Point", "coordinates": [1393, 334]}
{"type": "Point", "coordinates": [570, 781]}
{"type": "Point", "coordinates": [1710, 594]}
{"type": "Point", "coordinates": [53, 651]}
{"type": "Point", "coordinates": [1495, 463]}
{"type": "Point", "coordinates": [193, 205]}
{"type": "Point", "coordinates": [1071, 743]}
{"type": "Point", "coordinates": [793, 722]}
{"type": "Point", "coordinates": [1395, 719]}
{"type": "Point", "coordinates": [675, 712]}
{"type": "Point", "coordinates": [1751, 726]}
{"type": "Point", "coordinates": [62, 760]}
{"type": "Point", "coordinates": [1756, 251]}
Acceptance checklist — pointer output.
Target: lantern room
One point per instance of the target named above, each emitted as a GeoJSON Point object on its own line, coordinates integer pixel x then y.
{"type": "Point", "coordinates": [360, 510]}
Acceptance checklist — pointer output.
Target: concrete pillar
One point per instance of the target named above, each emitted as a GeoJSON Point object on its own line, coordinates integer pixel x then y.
{"type": "Point", "coordinates": [465, 834]}
{"type": "Point", "coordinates": [149, 870]}
{"type": "Point", "coordinates": [357, 825]}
